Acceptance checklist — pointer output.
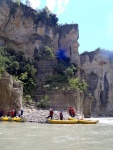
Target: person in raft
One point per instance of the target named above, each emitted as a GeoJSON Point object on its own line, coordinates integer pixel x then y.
{"type": "Point", "coordinates": [12, 113]}
{"type": "Point", "coordinates": [50, 114]}
{"type": "Point", "coordinates": [61, 115]}
{"type": "Point", "coordinates": [71, 112]}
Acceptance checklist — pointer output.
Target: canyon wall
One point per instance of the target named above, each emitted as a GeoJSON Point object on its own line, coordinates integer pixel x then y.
{"type": "Point", "coordinates": [20, 29]}
{"type": "Point", "coordinates": [11, 93]}
{"type": "Point", "coordinates": [98, 73]}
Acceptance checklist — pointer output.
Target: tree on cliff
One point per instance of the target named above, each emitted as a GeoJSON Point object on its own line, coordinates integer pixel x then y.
{"type": "Point", "coordinates": [18, 65]}
{"type": "Point", "coordinates": [46, 17]}
{"type": "Point", "coordinates": [78, 86]}
{"type": "Point", "coordinates": [2, 68]}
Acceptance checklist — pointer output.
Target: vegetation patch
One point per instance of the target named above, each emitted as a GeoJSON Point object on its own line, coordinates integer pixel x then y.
{"type": "Point", "coordinates": [44, 102]}
{"type": "Point", "coordinates": [19, 66]}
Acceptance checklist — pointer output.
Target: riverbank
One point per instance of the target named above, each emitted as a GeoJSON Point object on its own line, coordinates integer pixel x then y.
{"type": "Point", "coordinates": [39, 115]}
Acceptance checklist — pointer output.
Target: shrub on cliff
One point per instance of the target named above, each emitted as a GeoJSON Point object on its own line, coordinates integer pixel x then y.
{"type": "Point", "coordinates": [45, 53]}
{"type": "Point", "coordinates": [4, 60]}
{"type": "Point", "coordinates": [46, 17]}
{"type": "Point", "coordinates": [77, 84]}
{"type": "Point", "coordinates": [17, 64]}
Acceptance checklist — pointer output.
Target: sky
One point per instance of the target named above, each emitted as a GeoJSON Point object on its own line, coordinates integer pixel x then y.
{"type": "Point", "coordinates": [94, 18]}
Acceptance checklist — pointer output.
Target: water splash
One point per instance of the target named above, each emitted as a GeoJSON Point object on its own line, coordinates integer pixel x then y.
{"type": "Point", "coordinates": [105, 120]}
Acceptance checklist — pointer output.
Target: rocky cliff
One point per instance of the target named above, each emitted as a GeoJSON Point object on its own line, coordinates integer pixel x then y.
{"type": "Point", "coordinates": [19, 26]}
{"type": "Point", "coordinates": [11, 93]}
{"type": "Point", "coordinates": [98, 72]}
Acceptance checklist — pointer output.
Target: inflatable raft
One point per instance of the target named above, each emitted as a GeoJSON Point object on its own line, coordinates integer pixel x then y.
{"type": "Point", "coordinates": [62, 121]}
{"type": "Point", "coordinates": [88, 121]}
{"type": "Point", "coordinates": [84, 121]}
{"type": "Point", "coordinates": [17, 119]}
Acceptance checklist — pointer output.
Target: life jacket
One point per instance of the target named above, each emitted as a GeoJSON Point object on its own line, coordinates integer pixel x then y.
{"type": "Point", "coordinates": [51, 112]}
{"type": "Point", "coordinates": [61, 115]}
{"type": "Point", "coordinates": [70, 110]}
{"type": "Point", "coordinates": [12, 113]}
{"type": "Point", "coordinates": [73, 111]}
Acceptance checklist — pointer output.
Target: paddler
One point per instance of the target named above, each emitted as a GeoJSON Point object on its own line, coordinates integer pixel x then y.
{"type": "Point", "coordinates": [50, 114]}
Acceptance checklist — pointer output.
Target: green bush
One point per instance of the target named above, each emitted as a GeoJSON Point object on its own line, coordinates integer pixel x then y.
{"type": "Point", "coordinates": [18, 65]}
{"type": "Point", "coordinates": [44, 102]}
{"type": "Point", "coordinates": [46, 53]}
{"type": "Point", "coordinates": [46, 17]}
{"type": "Point", "coordinates": [27, 99]}
{"type": "Point", "coordinates": [78, 85]}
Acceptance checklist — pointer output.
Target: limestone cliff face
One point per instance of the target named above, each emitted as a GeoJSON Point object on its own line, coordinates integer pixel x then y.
{"type": "Point", "coordinates": [20, 29]}
{"type": "Point", "coordinates": [11, 93]}
{"type": "Point", "coordinates": [17, 26]}
{"type": "Point", "coordinates": [98, 72]}
{"type": "Point", "coordinates": [69, 35]}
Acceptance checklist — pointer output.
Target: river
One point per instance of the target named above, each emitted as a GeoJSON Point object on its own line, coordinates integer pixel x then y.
{"type": "Point", "coordinates": [35, 136]}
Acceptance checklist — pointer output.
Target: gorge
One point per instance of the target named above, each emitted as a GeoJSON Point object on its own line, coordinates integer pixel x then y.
{"type": "Point", "coordinates": [22, 27]}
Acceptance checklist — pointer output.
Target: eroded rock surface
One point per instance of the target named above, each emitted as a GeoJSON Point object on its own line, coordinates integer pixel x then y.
{"type": "Point", "coordinates": [98, 68]}
{"type": "Point", "coordinates": [11, 93]}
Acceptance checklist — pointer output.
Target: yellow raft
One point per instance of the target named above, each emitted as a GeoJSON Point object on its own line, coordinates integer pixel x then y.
{"type": "Point", "coordinates": [88, 121]}
{"type": "Point", "coordinates": [17, 119]}
{"type": "Point", "coordinates": [62, 121]}
{"type": "Point", "coordinates": [84, 121]}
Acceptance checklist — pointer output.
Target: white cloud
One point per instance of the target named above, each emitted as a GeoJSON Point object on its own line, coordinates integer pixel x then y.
{"type": "Point", "coordinates": [110, 25]}
{"type": "Point", "coordinates": [51, 4]}
{"type": "Point", "coordinates": [35, 3]}
{"type": "Point", "coordinates": [59, 4]}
